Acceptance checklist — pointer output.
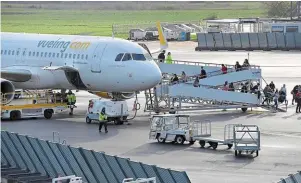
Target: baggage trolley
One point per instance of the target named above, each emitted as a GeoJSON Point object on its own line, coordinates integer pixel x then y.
{"type": "Point", "coordinates": [246, 139]}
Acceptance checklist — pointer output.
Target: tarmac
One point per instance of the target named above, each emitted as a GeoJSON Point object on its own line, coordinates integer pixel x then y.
{"type": "Point", "coordinates": [280, 152]}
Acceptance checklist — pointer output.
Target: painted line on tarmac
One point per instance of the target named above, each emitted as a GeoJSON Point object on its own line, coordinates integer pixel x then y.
{"type": "Point", "coordinates": [281, 134]}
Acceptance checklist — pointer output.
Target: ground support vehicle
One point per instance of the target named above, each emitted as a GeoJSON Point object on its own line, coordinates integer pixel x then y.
{"type": "Point", "coordinates": [176, 128]}
{"type": "Point", "coordinates": [116, 111]}
{"type": "Point", "coordinates": [35, 105]}
{"type": "Point", "coordinates": [204, 138]}
{"type": "Point", "coordinates": [246, 138]}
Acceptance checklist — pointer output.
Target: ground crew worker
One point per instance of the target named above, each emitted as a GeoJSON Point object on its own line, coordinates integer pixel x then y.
{"type": "Point", "coordinates": [298, 100]}
{"type": "Point", "coordinates": [169, 59]}
{"type": "Point", "coordinates": [71, 101]}
{"type": "Point", "coordinates": [103, 120]}
{"type": "Point", "coordinates": [161, 56]}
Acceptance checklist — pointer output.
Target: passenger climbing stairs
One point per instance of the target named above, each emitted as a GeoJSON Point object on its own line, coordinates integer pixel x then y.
{"type": "Point", "coordinates": [183, 96]}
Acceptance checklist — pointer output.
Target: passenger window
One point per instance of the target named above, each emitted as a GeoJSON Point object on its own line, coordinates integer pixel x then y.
{"type": "Point", "coordinates": [49, 54]}
{"type": "Point", "coordinates": [86, 57]}
{"type": "Point", "coordinates": [29, 54]}
{"type": "Point", "coordinates": [53, 55]}
{"type": "Point", "coordinates": [66, 55]}
{"type": "Point", "coordinates": [8, 52]}
{"type": "Point", "coordinates": [58, 55]}
{"type": "Point", "coordinates": [78, 55]}
{"type": "Point", "coordinates": [33, 54]}
{"type": "Point", "coordinates": [74, 56]}
{"type": "Point", "coordinates": [70, 55]}
{"type": "Point", "coordinates": [41, 54]}
{"type": "Point", "coordinates": [62, 55]}
{"type": "Point", "coordinates": [18, 52]}
{"type": "Point", "coordinates": [37, 54]}
{"type": "Point", "coordinates": [1, 52]}
{"type": "Point", "coordinates": [119, 57]}
{"type": "Point", "coordinates": [24, 53]}
{"type": "Point", "coordinates": [45, 54]}
{"type": "Point", "coordinates": [13, 52]}
{"type": "Point", "coordinates": [5, 51]}
{"type": "Point", "coordinates": [138, 57]}
{"type": "Point", "coordinates": [82, 56]}
{"type": "Point", "coordinates": [127, 57]}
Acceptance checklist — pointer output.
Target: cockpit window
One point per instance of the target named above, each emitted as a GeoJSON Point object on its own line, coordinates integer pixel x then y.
{"type": "Point", "coordinates": [119, 57]}
{"type": "Point", "coordinates": [138, 57]}
{"type": "Point", "coordinates": [127, 57]}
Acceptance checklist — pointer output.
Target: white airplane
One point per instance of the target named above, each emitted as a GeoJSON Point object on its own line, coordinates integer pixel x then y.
{"type": "Point", "coordinates": [110, 65]}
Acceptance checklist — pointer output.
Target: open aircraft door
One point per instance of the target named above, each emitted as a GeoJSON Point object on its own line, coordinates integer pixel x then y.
{"type": "Point", "coordinates": [96, 60]}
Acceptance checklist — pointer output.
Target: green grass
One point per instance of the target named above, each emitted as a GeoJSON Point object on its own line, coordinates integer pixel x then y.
{"type": "Point", "coordinates": [99, 22]}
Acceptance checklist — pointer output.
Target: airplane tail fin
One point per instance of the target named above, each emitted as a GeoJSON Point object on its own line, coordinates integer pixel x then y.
{"type": "Point", "coordinates": [162, 39]}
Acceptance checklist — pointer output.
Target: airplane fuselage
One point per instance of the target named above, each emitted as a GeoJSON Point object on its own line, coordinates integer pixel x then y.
{"type": "Point", "coordinates": [77, 62]}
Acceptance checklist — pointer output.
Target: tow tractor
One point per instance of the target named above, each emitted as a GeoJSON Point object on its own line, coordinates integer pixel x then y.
{"type": "Point", "coordinates": [33, 105]}
{"type": "Point", "coordinates": [179, 128]}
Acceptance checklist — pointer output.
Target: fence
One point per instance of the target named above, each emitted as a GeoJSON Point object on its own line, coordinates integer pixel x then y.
{"type": "Point", "coordinates": [42, 160]}
{"type": "Point", "coordinates": [248, 41]}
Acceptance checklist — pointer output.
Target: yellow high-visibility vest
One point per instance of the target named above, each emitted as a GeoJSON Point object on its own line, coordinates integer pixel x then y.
{"type": "Point", "coordinates": [102, 117]}
{"type": "Point", "coordinates": [169, 59]}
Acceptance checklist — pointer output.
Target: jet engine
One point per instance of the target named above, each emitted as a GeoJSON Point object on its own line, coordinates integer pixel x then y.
{"type": "Point", "coordinates": [7, 91]}
{"type": "Point", "coordinates": [114, 95]}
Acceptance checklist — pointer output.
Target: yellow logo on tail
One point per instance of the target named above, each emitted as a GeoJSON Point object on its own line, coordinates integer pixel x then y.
{"type": "Point", "coordinates": [162, 39]}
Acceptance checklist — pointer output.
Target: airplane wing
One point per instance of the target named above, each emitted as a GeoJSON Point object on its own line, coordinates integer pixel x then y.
{"type": "Point", "coordinates": [162, 39]}
{"type": "Point", "coordinates": [16, 75]}
{"type": "Point", "coordinates": [64, 68]}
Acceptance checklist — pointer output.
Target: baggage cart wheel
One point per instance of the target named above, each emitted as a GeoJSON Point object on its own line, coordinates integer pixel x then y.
{"type": "Point", "coordinates": [179, 140]}
{"type": "Point", "coordinates": [191, 142]}
{"type": "Point", "coordinates": [161, 140]}
{"type": "Point", "coordinates": [48, 114]}
{"type": "Point", "coordinates": [202, 143]}
{"type": "Point", "coordinates": [235, 152]}
{"type": "Point", "coordinates": [257, 153]}
{"type": "Point", "coordinates": [88, 120]}
{"type": "Point", "coordinates": [230, 146]}
{"type": "Point", "coordinates": [214, 145]}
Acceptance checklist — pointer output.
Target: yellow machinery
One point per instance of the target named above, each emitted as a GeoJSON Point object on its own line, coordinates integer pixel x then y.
{"type": "Point", "coordinates": [33, 104]}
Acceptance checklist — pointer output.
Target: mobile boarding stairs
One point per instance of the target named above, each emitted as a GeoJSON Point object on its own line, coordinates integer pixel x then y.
{"type": "Point", "coordinates": [183, 96]}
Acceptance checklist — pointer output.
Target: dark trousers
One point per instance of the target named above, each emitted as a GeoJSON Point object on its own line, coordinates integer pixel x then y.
{"type": "Point", "coordinates": [298, 108]}
{"type": "Point", "coordinates": [104, 124]}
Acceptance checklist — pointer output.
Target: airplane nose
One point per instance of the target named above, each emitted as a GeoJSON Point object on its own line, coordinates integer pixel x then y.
{"type": "Point", "coordinates": [157, 75]}
{"type": "Point", "coordinates": [152, 76]}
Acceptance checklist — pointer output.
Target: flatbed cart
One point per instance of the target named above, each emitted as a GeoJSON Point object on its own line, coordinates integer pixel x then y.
{"type": "Point", "coordinates": [204, 137]}
{"type": "Point", "coordinates": [246, 139]}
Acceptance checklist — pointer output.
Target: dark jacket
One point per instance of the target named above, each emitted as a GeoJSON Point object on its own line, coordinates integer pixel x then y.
{"type": "Point", "coordinates": [161, 56]}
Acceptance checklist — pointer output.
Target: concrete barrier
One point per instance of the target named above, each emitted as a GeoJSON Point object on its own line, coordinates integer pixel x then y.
{"type": "Point", "coordinates": [249, 41]}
